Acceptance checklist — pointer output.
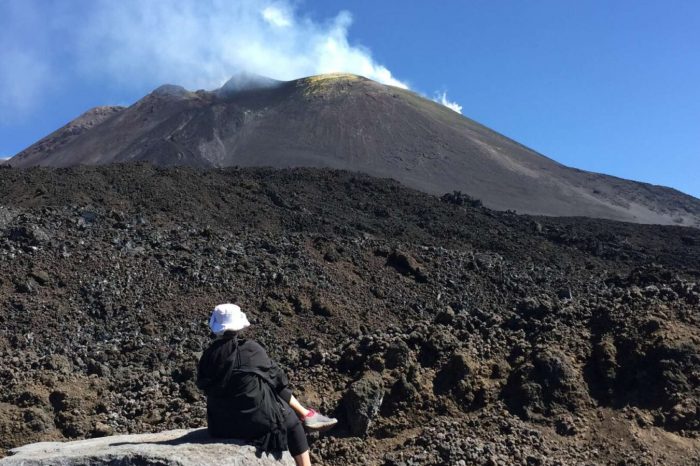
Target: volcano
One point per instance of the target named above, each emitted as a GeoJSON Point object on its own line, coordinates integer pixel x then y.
{"type": "Point", "coordinates": [348, 122]}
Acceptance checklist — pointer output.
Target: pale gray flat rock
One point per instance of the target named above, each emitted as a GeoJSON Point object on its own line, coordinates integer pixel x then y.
{"type": "Point", "coordinates": [170, 448]}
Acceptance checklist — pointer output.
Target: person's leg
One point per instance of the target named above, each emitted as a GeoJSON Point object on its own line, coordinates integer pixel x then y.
{"type": "Point", "coordinates": [311, 419]}
{"type": "Point", "coordinates": [298, 408]}
{"type": "Point", "coordinates": [296, 439]}
{"type": "Point", "coordinates": [303, 459]}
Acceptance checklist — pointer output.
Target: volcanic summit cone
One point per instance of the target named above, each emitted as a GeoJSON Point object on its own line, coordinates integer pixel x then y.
{"type": "Point", "coordinates": [349, 122]}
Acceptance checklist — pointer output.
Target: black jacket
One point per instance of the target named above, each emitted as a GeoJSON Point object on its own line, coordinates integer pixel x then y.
{"type": "Point", "coordinates": [244, 390]}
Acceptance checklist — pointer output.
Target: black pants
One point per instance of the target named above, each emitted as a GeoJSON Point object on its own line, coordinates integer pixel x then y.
{"type": "Point", "coordinates": [296, 437]}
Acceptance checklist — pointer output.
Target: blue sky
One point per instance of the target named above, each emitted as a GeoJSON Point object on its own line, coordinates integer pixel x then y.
{"type": "Point", "coordinates": [612, 87]}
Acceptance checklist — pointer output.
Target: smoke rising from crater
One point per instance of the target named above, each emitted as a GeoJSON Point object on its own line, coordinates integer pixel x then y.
{"type": "Point", "coordinates": [198, 44]}
{"type": "Point", "coordinates": [441, 98]}
{"type": "Point", "coordinates": [201, 44]}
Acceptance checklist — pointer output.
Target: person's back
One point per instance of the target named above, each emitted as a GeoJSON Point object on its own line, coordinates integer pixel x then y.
{"type": "Point", "coordinates": [241, 384]}
{"type": "Point", "coordinates": [248, 396]}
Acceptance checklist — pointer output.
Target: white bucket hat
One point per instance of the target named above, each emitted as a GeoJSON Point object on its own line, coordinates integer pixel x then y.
{"type": "Point", "coordinates": [227, 317]}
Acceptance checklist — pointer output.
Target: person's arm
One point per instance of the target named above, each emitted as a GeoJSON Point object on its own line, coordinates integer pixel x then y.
{"type": "Point", "coordinates": [279, 380]}
{"type": "Point", "coordinates": [282, 386]}
{"type": "Point", "coordinates": [203, 380]}
{"type": "Point", "coordinates": [275, 374]}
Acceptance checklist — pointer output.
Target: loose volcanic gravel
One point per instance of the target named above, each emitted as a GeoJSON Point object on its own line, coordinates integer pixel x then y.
{"type": "Point", "coordinates": [438, 331]}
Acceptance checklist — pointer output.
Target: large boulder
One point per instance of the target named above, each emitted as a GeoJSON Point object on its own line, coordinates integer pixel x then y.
{"type": "Point", "coordinates": [459, 378]}
{"type": "Point", "coordinates": [362, 403]}
{"type": "Point", "coordinates": [546, 385]}
{"type": "Point", "coordinates": [173, 447]}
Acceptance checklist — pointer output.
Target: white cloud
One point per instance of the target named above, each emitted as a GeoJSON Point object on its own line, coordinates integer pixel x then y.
{"type": "Point", "coordinates": [441, 98]}
{"type": "Point", "coordinates": [135, 44]}
{"type": "Point", "coordinates": [276, 16]}
{"type": "Point", "coordinates": [202, 43]}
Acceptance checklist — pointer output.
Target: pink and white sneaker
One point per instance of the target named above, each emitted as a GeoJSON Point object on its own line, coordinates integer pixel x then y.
{"type": "Point", "coordinates": [317, 421]}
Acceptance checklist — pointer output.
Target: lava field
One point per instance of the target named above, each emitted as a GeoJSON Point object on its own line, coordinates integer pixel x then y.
{"type": "Point", "coordinates": [438, 331]}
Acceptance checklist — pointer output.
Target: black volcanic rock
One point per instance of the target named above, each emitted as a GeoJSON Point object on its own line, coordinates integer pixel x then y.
{"type": "Point", "coordinates": [108, 276]}
{"type": "Point", "coordinates": [348, 122]}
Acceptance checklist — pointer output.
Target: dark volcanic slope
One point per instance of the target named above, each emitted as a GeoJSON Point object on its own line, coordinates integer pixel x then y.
{"type": "Point", "coordinates": [462, 335]}
{"type": "Point", "coordinates": [349, 122]}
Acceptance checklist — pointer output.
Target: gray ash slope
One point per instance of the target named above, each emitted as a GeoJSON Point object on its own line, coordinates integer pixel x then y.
{"type": "Point", "coordinates": [438, 332]}
{"type": "Point", "coordinates": [352, 123]}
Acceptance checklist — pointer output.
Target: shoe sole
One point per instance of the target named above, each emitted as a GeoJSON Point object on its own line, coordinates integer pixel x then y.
{"type": "Point", "coordinates": [320, 426]}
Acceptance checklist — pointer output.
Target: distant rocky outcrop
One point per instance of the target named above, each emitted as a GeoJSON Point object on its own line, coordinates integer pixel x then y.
{"type": "Point", "coordinates": [173, 447]}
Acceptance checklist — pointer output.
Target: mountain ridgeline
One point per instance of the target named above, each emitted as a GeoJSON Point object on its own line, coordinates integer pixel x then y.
{"type": "Point", "coordinates": [349, 122]}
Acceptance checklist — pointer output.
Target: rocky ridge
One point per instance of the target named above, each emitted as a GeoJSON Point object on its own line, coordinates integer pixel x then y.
{"type": "Point", "coordinates": [438, 331]}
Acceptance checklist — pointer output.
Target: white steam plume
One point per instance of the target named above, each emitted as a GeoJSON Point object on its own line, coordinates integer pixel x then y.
{"type": "Point", "coordinates": [193, 43]}
{"type": "Point", "coordinates": [200, 44]}
{"type": "Point", "coordinates": [441, 98]}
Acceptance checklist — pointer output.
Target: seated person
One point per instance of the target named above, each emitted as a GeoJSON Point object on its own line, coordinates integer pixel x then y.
{"type": "Point", "coordinates": [247, 393]}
